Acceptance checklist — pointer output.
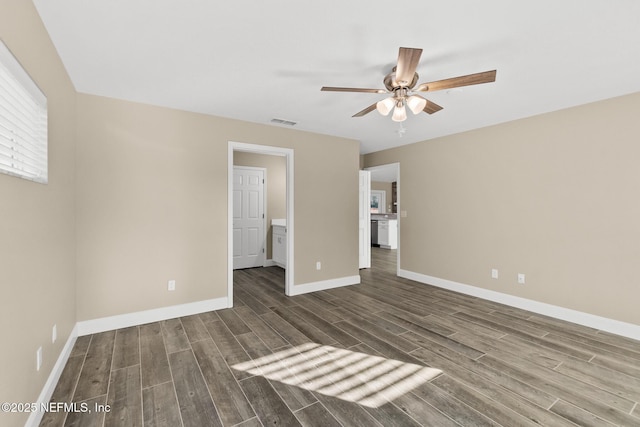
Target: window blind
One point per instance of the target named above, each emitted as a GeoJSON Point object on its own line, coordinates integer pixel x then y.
{"type": "Point", "coordinates": [23, 122]}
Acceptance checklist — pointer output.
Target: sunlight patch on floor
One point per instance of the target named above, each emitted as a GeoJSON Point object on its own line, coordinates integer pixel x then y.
{"type": "Point", "coordinates": [356, 377]}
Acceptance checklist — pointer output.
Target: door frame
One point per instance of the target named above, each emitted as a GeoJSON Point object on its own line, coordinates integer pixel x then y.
{"type": "Point", "coordinates": [264, 206]}
{"type": "Point", "coordinates": [274, 151]}
{"type": "Point", "coordinates": [399, 214]}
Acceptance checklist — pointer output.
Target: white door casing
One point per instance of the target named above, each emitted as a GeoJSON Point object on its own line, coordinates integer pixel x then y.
{"type": "Point", "coordinates": [248, 217]}
{"type": "Point", "coordinates": [364, 220]}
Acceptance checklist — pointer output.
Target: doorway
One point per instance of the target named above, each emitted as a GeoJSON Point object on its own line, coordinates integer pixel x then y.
{"type": "Point", "coordinates": [382, 179]}
{"type": "Point", "coordinates": [287, 153]}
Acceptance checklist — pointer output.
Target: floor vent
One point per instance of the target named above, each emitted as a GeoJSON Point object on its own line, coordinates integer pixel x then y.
{"type": "Point", "coordinates": [283, 122]}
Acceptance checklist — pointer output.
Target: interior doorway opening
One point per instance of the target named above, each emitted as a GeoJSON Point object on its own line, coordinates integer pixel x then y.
{"type": "Point", "coordinates": [287, 239]}
{"type": "Point", "coordinates": [387, 217]}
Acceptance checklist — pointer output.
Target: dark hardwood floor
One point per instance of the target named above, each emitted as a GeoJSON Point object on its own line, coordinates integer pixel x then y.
{"type": "Point", "coordinates": [387, 352]}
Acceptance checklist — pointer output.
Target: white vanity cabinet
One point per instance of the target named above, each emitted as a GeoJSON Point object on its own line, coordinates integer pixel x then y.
{"type": "Point", "coordinates": [279, 243]}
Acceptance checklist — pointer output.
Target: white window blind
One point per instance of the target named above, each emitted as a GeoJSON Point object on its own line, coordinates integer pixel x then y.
{"type": "Point", "coordinates": [23, 122]}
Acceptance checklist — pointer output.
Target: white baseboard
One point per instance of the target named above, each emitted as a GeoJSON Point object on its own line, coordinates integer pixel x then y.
{"type": "Point", "coordinates": [597, 322]}
{"type": "Point", "coordinates": [47, 391]}
{"type": "Point", "coordinates": [272, 263]}
{"type": "Point", "coordinates": [94, 326]}
{"type": "Point", "coordinates": [323, 285]}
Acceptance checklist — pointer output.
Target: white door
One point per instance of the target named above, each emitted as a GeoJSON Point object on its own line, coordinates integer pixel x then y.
{"type": "Point", "coordinates": [248, 218]}
{"type": "Point", "coordinates": [364, 220]}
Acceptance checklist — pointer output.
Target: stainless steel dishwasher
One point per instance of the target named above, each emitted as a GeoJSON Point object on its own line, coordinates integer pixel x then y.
{"type": "Point", "coordinates": [374, 232]}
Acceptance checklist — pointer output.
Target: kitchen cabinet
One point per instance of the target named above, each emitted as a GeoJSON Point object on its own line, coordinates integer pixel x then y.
{"type": "Point", "coordinates": [388, 233]}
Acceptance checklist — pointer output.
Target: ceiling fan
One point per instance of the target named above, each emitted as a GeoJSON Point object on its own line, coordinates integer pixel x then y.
{"type": "Point", "coordinates": [401, 83]}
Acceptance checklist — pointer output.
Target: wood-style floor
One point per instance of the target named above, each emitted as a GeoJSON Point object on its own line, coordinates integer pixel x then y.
{"type": "Point", "coordinates": [387, 352]}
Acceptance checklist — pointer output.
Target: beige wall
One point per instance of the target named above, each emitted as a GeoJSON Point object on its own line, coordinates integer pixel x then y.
{"type": "Point", "coordinates": [151, 204]}
{"type": "Point", "coordinates": [276, 173]}
{"type": "Point", "coordinates": [386, 187]}
{"type": "Point", "coordinates": [37, 238]}
{"type": "Point", "coordinates": [554, 196]}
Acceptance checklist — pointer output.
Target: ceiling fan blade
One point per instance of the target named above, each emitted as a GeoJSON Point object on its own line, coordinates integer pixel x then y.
{"type": "Point", "coordinates": [408, 59]}
{"type": "Point", "coordinates": [468, 80]}
{"type": "Point", "coordinates": [431, 107]}
{"type": "Point", "coordinates": [367, 110]}
{"type": "Point", "coordinates": [351, 89]}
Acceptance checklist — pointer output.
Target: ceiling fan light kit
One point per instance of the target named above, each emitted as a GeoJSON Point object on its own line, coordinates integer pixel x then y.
{"type": "Point", "coordinates": [385, 106]}
{"type": "Point", "coordinates": [416, 103]}
{"type": "Point", "coordinates": [399, 113]}
{"type": "Point", "coordinates": [400, 82]}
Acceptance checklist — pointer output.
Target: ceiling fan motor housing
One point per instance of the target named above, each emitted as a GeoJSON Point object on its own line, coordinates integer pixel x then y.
{"type": "Point", "coordinates": [391, 84]}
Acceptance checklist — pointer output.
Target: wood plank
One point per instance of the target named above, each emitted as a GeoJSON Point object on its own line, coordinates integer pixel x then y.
{"type": "Point", "coordinates": [269, 407]}
{"type": "Point", "coordinates": [253, 422]}
{"type": "Point", "coordinates": [318, 306]}
{"type": "Point", "coordinates": [316, 415]}
{"type": "Point", "coordinates": [208, 316]}
{"type": "Point", "coordinates": [194, 328]}
{"type": "Point", "coordinates": [451, 343]}
{"type": "Point", "coordinates": [175, 338]}
{"type": "Point", "coordinates": [233, 322]}
{"type": "Point", "coordinates": [467, 327]}
{"type": "Point", "coordinates": [347, 413]}
{"type": "Point", "coordinates": [94, 378]}
{"type": "Point", "coordinates": [64, 390]}
{"type": "Point", "coordinates": [153, 356]}
{"type": "Point", "coordinates": [539, 356]}
{"type": "Point", "coordinates": [296, 397]}
{"type": "Point", "coordinates": [545, 342]}
{"type": "Point", "coordinates": [421, 411]}
{"type": "Point", "coordinates": [285, 329]}
{"type": "Point", "coordinates": [126, 351]}
{"type": "Point", "coordinates": [230, 401]}
{"type": "Point", "coordinates": [312, 333]}
{"type": "Point", "coordinates": [488, 407]}
{"type": "Point", "coordinates": [229, 347]}
{"type": "Point", "coordinates": [355, 316]}
{"type": "Point", "coordinates": [89, 418]}
{"type": "Point", "coordinates": [160, 407]}
{"type": "Point", "coordinates": [81, 346]}
{"type": "Point", "coordinates": [258, 326]}
{"type": "Point", "coordinates": [607, 379]}
{"type": "Point", "coordinates": [476, 374]}
{"type": "Point", "coordinates": [253, 303]}
{"type": "Point", "coordinates": [337, 334]}
{"type": "Point", "coordinates": [196, 407]}
{"type": "Point", "coordinates": [125, 397]}
{"type": "Point", "coordinates": [389, 350]}
{"type": "Point", "coordinates": [389, 414]}
{"type": "Point", "coordinates": [579, 416]}
{"type": "Point", "coordinates": [617, 365]}
{"type": "Point", "coordinates": [596, 401]}
{"type": "Point", "coordinates": [596, 347]}
{"type": "Point", "coordinates": [452, 407]}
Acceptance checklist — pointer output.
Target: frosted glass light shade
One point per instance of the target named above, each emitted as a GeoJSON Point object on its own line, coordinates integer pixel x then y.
{"type": "Point", "coordinates": [399, 114]}
{"type": "Point", "coordinates": [385, 106]}
{"type": "Point", "coordinates": [416, 103]}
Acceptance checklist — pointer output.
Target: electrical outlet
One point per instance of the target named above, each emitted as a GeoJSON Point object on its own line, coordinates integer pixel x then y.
{"type": "Point", "coordinates": [521, 278]}
{"type": "Point", "coordinates": [54, 334]}
{"type": "Point", "coordinates": [494, 273]}
{"type": "Point", "coordinates": [171, 285]}
{"type": "Point", "coordinates": [403, 214]}
{"type": "Point", "coordinates": [38, 358]}
{"type": "Point", "coordinates": [318, 265]}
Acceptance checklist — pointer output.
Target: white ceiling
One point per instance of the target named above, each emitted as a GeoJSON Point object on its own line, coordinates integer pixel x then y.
{"type": "Point", "coordinates": [258, 60]}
